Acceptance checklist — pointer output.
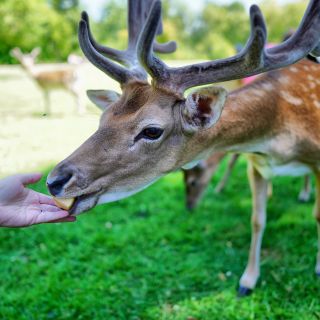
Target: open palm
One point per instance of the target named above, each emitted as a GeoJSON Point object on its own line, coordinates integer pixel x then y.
{"type": "Point", "coordinates": [20, 206]}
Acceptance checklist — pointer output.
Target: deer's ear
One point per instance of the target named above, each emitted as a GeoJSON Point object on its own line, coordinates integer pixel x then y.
{"type": "Point", "coordinates": [103, 98]}
{"type": "Point", "coordinates": [35, 52]}
{"type": "Point", "coordinates": [16, 53]}
{"type": "Point", "coordinates": [203, 108]}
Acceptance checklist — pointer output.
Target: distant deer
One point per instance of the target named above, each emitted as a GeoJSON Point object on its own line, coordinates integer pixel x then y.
{"type": "Point", "coordinates": [153, 129]}
{"type": "Point", "coordinates": [198, 178]}
{"type": "Point", "coordinates": [63, 77]}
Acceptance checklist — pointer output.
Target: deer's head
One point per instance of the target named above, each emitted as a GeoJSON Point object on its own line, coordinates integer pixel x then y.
{"type": "Point", "coordinates": [197, 179]}
{"type": "Point", "coordinates": [27, 60]}
{"type": "Point", "coordinates": [152, 129]}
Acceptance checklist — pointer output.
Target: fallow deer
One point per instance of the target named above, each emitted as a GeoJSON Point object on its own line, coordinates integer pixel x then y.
{"type": "Point", "coordinates": [197, 179]}
{"type": "Point", "coordinates": [153, 129]}
{"type": "Point", "coordinates": [65, 77]}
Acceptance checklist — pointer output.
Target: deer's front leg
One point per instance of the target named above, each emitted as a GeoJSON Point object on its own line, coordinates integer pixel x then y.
{"type": "Point", "coordinates": [259, 190]}
{"type": "Point", "coordinates": [227, 174]}
{"type": "Point", "coordinates": [305, 192]}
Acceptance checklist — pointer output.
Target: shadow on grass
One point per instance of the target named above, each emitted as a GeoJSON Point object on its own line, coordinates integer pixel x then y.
{"type": "Point", "coordinates": [146, 257]}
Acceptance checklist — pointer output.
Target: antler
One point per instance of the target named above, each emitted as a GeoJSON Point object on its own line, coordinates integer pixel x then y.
{"type": "Point", "coordinates": [253, 59]}
{"type": "Point", "coordinates": [101, 56]}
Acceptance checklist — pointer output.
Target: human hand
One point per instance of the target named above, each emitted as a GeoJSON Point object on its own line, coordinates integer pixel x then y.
{"type": "Point", "coordinates": [21, 207]}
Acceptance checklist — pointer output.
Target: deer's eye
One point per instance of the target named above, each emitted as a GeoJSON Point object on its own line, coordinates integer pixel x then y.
{"type": "Point", "coordinates": [193, 183]}
{"type": "Point", "coordinates": [151, 133]}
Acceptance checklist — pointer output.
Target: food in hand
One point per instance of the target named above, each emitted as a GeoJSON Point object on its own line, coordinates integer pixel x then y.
{"type": "Point", "coordinates": [63, 203]}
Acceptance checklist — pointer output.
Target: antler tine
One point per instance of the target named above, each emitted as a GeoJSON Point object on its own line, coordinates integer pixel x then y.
{"type": "Point", "coordinates": [115, 71]}
{"type": "Point", "coordinates": [167, 47]}
{"type": "Point", "coordinates": [154, 66]}
{"type": "Point", "coordinates": [138, 12]}
{"type": "Point", "coordinates": [316, 51]}
{"type": "Point", "coordinates": [305, 39]}
{"type": "Point", "coordinates": [253, 59]}
{"type": "Point", "coordinates": [247, 62]}
{"type": "Point", "coordinates": [111, 53]}
{"type": "Point", "coordinates": [253, 53]}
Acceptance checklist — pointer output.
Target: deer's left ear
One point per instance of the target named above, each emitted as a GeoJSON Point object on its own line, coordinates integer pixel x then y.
{"type": "Point", "coordinates": [203, 108]}
{"type": "Point", "coordinates": [103, 98]}
{"type": "Point", "coordinates": [35, 52]}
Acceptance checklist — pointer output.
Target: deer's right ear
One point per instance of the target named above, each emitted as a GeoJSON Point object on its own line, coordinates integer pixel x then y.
{"type": "Point", "coordinates": [103, 98]}
{"type": "Point", "coordinates": [202, 108]}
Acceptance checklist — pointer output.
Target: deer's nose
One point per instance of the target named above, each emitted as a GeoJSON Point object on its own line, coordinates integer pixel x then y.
{"type": "Point", "coordinates": [190, 205]}
{"type": "Point", "coordinates": [56, 186]}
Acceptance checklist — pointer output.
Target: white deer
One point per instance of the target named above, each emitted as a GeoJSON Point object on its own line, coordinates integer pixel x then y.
{"type": "Point", "coordinates": [65, 77]}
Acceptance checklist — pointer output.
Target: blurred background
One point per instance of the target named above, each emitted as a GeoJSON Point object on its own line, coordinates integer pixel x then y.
{"type": "Point", "coordinates": [145, 257]}
{"type": "Point", "coordinates": [202, 29]}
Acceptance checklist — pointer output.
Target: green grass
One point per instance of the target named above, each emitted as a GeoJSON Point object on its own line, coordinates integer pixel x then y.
{"type": "Point", "coordinates": [145, 257]}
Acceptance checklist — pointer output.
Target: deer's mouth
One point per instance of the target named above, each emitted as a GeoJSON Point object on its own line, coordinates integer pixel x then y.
{"type": "Point", "coordinates": [84, 203]}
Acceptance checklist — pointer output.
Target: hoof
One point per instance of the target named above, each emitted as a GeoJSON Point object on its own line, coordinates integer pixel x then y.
{"type": "Point", "coordinates": [244, 292]}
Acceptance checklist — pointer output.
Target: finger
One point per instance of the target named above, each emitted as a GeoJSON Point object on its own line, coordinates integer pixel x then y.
{"type": "Point", "coordinates": [49, 208]}
{"type": "Point", "coordinates": [48, 216]}
{"type": "Point", "coordinates": [66, 219]}
{"type": "Point", "coordinates": [29, 178]}
{"type": "Point", "coordinates": [44, 199]}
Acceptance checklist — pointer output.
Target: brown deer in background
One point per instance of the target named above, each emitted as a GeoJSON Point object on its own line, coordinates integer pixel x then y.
{"type": "Point", "coordinates": [153, 129]}
{"type": "Point", "coordinates": [198, 178]}
{"type": "Point", "coordinates": [63, 77]}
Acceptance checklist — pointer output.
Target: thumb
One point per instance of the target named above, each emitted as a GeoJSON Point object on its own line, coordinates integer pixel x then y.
{"type": "Point", "coordinates": [29, 178]}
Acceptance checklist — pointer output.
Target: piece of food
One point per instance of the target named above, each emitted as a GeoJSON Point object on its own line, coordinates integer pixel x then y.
{"type": "Point", "coordinates": [64, 203]}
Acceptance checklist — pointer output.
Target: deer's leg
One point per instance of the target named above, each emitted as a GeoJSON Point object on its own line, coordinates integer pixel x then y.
{"type": "Point", "coordinates": [80, 101]}
{"type": "Point", "coordinates": [270, 189]}
{"type": "Point", "coordinates": [227, 174]}
{"type": "Point", "coordinates": [46, 98]}
{"type": "Point", "coordinates": [305, 192]}
{"type": "Point", "coordinates": [316, 213]}
{"type": "Point", "coordinates": [259, 190]}
{"type": "Point", "coordinates": [76, 88]}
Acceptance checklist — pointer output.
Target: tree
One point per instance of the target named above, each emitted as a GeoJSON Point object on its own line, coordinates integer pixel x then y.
{"type": "Point", "coordinates": [32, 23]}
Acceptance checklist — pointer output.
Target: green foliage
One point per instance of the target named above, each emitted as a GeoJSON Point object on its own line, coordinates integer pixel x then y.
{"type": "Point", "coordinates": [64, 5]}
{"type": "Point", "coordinates": [210, 33]}
{"type": "Point", "coordinates": [33, 23]}
{"type": "Point", "coordinates": [112, 28]}
{"type": "Point", "coordinates": [282, 18]}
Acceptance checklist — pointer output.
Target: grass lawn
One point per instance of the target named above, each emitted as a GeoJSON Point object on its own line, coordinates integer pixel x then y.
{"type": "Point", "coordinates": [145, 257]}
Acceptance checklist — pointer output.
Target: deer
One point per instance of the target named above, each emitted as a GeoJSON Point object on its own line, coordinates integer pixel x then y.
{"type": "Point", "coordinates": [152, 129]}
{"type": "Point", "coordinates": [197, 179]}
{"type": "Point", "coordinates": [63, 77]}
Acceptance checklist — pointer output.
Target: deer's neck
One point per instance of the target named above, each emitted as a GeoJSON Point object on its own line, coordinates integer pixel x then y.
{"type": "Point", "coordinates": [29, 69]}
{"type": "Point", "coordinates": [249, 120]}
